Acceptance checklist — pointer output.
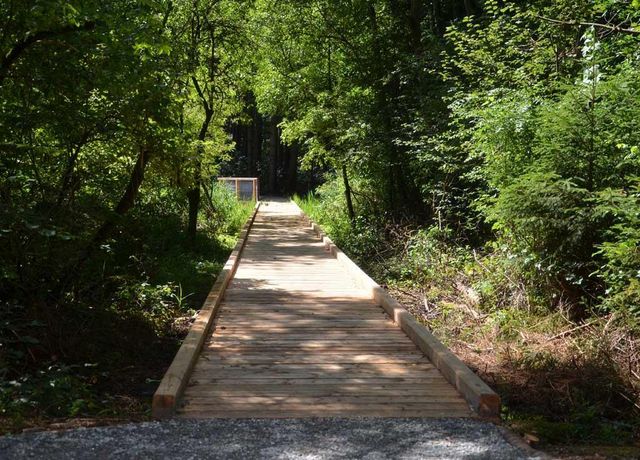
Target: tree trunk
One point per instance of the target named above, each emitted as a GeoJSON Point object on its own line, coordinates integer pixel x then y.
{"type": "Point", "coordinates": [384, 104]}
{"type": "Point", "coordinates": [347, 195]}
{"type": "Point", "coordinates": [67, 176]}
{"type": "Point", "coordinates": [469, 7]}
{"type": "Point", "coordinates": [254, 137]}
{"type": "Point", "coordinates": [436, 18]}
{"type": "Point", "coordinates": [273, 155]}
{"type": "Point", "coordinates": [193, 195]}
{"type": "Point", "coordinates": [415, 19]}
{"type": "Point", "coordinates": [124, 205]}
{"type": "Point", "coordinates": [292, 174]}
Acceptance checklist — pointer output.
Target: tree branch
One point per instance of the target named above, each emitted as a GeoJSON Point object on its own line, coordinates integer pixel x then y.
{"type": "Point", "coordinates": [201, 95]}
{"type": "Point", "coordinates": [31, 38]}
{"type": "Point", "coordinates": [615, 28]}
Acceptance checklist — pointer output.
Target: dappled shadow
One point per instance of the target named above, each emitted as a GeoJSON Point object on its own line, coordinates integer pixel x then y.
{"type": "Point", "coordinates": [296, 336]}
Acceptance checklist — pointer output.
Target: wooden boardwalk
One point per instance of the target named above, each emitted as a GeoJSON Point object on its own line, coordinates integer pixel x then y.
{"type": "Point", "coordinates": [296, 337]}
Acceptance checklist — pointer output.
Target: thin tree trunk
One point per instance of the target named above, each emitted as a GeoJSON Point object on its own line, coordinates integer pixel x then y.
{"type": "Point", "coordinates": [70, 167]}
{"type": "Point", "coordinates": [257, 141]}
{"type": "Point", "coordinates": [67, 175]}
{"type": "Point", "coordinates": [253, 136]}
{"type": "Point", "coordinates": [126, 202]}
{"type": "Point", "coordinates": [273, 155]}
{"type": "Point", "coordinates": [347, 195]}
{"type": "Point", "coordinates": [469, 7]}
{"type": "Point", "coordinates": [383, 100]}
{"type": "Point", "coordinates": [415, 20]}
{"type": "Point", "coordinates": [193, 195]}
{"type": "Point", "coordinates": [436, 18]}
{"type": "Point", "coordinates": [292, 175]}
{"type": "Point", "coordinates": [19, 48]}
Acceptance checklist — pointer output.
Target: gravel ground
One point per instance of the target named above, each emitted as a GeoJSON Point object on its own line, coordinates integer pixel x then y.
{"type": "Point", "coordinates": [272, 439]}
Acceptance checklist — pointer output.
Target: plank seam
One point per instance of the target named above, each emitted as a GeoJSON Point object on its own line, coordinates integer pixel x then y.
{"type": "Point", "coordinates": [171, 388]}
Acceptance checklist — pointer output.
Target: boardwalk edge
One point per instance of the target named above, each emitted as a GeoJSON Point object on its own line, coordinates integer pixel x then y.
{"type": "Point", "coordinates": [167, 396]}
{"type": "Point", "coordinates": [482, 399]}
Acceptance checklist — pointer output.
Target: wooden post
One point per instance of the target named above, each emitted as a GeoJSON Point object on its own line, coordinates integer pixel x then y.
{"type": "Point", "coordinates": [237, 189]}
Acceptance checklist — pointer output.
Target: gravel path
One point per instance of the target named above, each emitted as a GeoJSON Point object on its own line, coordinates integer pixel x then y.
{"type": "Point", "coordinates": [272, 439]}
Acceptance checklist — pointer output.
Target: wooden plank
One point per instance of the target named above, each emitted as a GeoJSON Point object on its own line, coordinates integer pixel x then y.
{"type": "Point", "coordinates": [383, 407]}
{"type": "Point", "coordinates": [452, 400]}
{"type": "Point", "coordinates": [382, 322]}
{"type": "Point", "coordinates": [285, 298]}
{"type": "Point", "coordinates": [280, 358]}
{"type": "Point", "coordinates": [427, 393]}
{"type": "Point", "coordinates": [210, 379]}
{"type": "Point", "coordinates": [301, 308]}
{"type": "Point", "coordinates": [271, 342]}
{"type": "Point", "coordinates": [293, 334]}
{"type": "Point", "coordinates": [328, 368]}
{"type": "Point", "coordinates": [333, 305]}
{"type": "Point", "coordinates": [256, 328]}
{"type": "Point", "coordinates": [346, 405]}
{"type": "Point", "coordinates": [316, 348]}
{"type": "Point", "coordinates": [278, 413]}
{"type": "Point", "coordinates": [309, 372]}
{"type": "Point", "coordinates": [323, 388]}
{"type": "Point", "coordinates": [229, 311]}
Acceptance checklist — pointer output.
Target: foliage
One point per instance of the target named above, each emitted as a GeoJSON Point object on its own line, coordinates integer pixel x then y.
{"type": "Point", "coordinates": [101, 143]}
{"type": "Point", "coordinates": [224, 213]}
{"type": "Point", "coordinates": [620, 250]}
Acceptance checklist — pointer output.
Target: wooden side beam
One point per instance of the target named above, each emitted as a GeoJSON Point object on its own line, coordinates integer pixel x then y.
{"type": "Point", "coordinates": [171, 388]}
{"type": "Point", "coordinates": [482, 399]}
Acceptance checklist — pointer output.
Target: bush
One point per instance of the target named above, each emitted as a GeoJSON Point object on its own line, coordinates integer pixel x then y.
{"type": "Point", "coordinates": [621, 250]}
{"type": "Point", "coordinates": [223, 212]}
{"type": "Point", "coordinates": [553, 161]}
{"type": "Point", "coordinates": [56, 390]}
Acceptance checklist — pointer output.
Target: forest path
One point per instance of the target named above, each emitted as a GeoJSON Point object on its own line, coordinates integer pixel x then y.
{"type": "Point", "coordinates": [296, 337]}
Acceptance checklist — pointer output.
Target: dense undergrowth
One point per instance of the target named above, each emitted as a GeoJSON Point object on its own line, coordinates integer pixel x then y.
{"type": "Point", "coordinates": [99, 350]}
{"type": "Point", "coordinates": [562, 378]}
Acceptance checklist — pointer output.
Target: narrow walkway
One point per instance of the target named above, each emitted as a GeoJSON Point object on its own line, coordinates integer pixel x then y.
{"type": "Point", "coordinates": [295, 337]}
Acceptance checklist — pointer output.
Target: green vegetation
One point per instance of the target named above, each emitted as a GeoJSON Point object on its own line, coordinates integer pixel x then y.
{"type": "Point", "coordinates": [138, 294]}
{"type": "Point", "coordinates": [485, 169]}
{"type": "Point", "coordinates": [481, 158]}
{"type": "Point", "coordinates": [112, 229]}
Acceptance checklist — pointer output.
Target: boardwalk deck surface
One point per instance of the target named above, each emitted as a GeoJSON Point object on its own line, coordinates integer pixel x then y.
{"type": "Point", "coordinates": [296, 337]}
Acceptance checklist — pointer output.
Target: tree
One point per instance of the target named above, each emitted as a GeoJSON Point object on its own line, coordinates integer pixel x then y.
{"type": "Point", "coordinates": [210, 39]}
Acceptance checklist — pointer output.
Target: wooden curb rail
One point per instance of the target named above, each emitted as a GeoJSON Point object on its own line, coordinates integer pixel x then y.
{"type": "Point", "coordinates": [482, 399]}
{"type": "Point", "coordinates": [168, 394]}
